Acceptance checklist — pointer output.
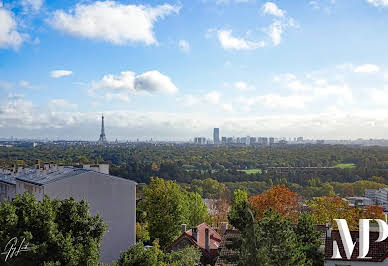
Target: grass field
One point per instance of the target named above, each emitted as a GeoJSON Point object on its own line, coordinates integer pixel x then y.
{"type": "Point", "coordinates": [346, 165]}
{"type": "Point", "coordinates": [251, 171]}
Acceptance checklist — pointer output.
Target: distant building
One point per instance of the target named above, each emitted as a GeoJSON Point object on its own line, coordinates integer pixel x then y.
{"type": "Point", "coordinates": [299, 139]}
{"type": "Point", "coordinates": [320, 141]}
{"type": "Point", "coordinates": [102, 138]}
{"type": "Point", "coordinates": [252, 140]}
{"type": "Point", "coordinates": [200, 140]}
{"type": "Point", "coordinates": [262, 141]}
{"type": "Point", "coordinates": [114, 198]}
{"type": "Point", "coordinates": [216, 136]}
{"type": "Point", "coordinates": [202, 236]}
{"type": "Point", "coordinates": [229, 140]}
{"type": "Point", "coordinates": [271, 141]}
{"type": "Point", "coordinates": [223, 140]}
{"type": "Point", "coordinates": [378, 196]}
{"type": "Point", "coordinates": [359, 201]}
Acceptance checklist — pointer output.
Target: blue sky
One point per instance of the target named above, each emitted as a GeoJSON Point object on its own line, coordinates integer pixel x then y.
{"type": "Point", "coordinates": [176, 69]}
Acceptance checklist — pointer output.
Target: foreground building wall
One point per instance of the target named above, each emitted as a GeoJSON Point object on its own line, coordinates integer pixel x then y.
{"type": "Point", "coordinates": [112, 197]}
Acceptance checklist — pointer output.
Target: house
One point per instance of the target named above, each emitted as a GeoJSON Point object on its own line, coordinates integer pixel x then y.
{"type": "Point", "coordinates": [227, 255]}
{"type": "Point", "coordinates": [202, 236]}
{"type": "Point", "coordinates": [114, 198]}
{"type": "Point", "coordinates": [378, 251]}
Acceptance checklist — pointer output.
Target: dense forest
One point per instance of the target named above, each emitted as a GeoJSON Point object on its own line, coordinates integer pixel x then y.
{"type": "Point", "coordinates": [312, 170]}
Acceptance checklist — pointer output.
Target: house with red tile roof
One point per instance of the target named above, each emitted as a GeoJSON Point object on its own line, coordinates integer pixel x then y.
{"type": "Point", "coordinates": [378, 251]}
{"type": "Point", "coordinates": [202, 236]}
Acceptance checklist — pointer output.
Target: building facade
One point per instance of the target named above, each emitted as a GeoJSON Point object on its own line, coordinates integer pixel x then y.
{"type": "Point", "coordinates": [216, 136]}
{"type": "Point", "coordinates": [114, 198]}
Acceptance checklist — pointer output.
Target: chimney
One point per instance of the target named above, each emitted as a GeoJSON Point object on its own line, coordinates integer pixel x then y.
{"type": "Point", "coordinates": [183, 228]}
{"type": "Point", "coordinates": [207, 239]}
{"type": "Point", "coordinates": [224, 226]}
{"type": "Point", "coordinates": [194, 232]}
{"type": "Point", "coordinates": [328, 231]}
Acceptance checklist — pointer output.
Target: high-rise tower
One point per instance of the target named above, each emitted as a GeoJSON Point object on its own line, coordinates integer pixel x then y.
{"type": "Point", "coordinates": [102, 135]}
{"type": "Point", "coordinates": [216, 136]}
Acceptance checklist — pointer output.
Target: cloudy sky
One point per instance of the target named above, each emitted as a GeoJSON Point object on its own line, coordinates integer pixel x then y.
{"type": "Point", "coordinates": [176, 69]}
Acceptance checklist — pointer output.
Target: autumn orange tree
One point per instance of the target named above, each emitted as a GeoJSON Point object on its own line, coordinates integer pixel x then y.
{"type": "Point", "coordinates": [280, 199]}
{"type": "Point", "coordinates": [326, 209]}
{"type": "Point", "coordinates": [373, 212]}
{"type": "Point", "coordinates": [218, 211]}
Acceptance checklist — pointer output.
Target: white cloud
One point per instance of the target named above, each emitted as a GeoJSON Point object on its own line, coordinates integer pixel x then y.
{"type": "Point", "coordinates": [315, 88]}
{"type": "Point", "coordinates": [279, 24]}
{"type": "Point", "coordinates": [277, 101]}
{"type": "Point", "coordinates": [61, 104]}
{"type": "Point", "coordinates": [272, 9]}
{"type": "Point", "coordinates": [121, 86]}
{"type": "Point", "coordinates": [60, 73]}
{"type": "Point", "coordinates": [228, 42]}
{"type": "Point", "coordinates": [379, 97]}
{"type": "Point", "coordinates": [154, 81]}
{"type": "Point", "coordinates": [9, 35]}
{"type": "Point", "coordinates": [188, 100]}
{"type": "Point", "coordinates": [15, 96]}
{"type": "Point", "coordinates": [184, 46]}
{"type": "Point", "coordinates": [111, 21]}
{"type": "Point", "coordinates": [367, 68]}
{"type": "Point", "coordinates": [383, 3]}
{"type": "Point", "coordinates": [227, 107]}
{"type": "Point", "coordinates": [243, 86]}
{"type": "Point", "coordinates": [34, 5]}
{"type": "Point", "coordinates": [213, 97]}
{"type": "Point", "coordinates": [27, 85]}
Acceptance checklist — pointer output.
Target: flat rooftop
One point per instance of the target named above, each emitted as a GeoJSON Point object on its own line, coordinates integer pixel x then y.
{"type": "Point", "coordinates": [43, 177]}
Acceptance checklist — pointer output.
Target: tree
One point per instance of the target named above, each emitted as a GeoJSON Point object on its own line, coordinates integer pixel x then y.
{"type": "Point", "coordinates": [270, 241]}
{"type": "Point", "coordinates": [218, 210]}
{"type": "Point", "coordinates": [326, 209]}
{"type": "Point", "coordinates": [241, 214]}
{"type": "Point", "coordinates": [309, 238]}
{"type": "Point", "coordinates": [57, 231]}
{"type": "Point", "coordinates": [279, 198]}
{"type": "Point", "coordinates": [279, 241]}
{"type": "Point", "coordinates": [166, 208]}
{"type": "Point", "coordinates": [373, 212]}
{"type": "Point", "coordinates": [196, 210]}
{"type": "Point", "coordinates": [138, 255]}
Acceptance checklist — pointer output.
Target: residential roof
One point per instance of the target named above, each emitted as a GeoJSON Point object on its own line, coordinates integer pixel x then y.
{"type": "Point", "coordinates": [44, 177]}
{"type": "Point", "coordinates": [226, 253]}
{"type": "Point", "coordinates": [378, 251]}
{"type": "Point", "coordinates": [7, 178]}
{"type": "Point", "coordinates": [215, 240]}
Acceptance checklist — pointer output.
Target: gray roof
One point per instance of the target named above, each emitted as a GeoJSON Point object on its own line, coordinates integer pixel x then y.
{"type": "Point", "coordinates": [7, 178]}
{"type": "Point", "coordinates": [43, 177]}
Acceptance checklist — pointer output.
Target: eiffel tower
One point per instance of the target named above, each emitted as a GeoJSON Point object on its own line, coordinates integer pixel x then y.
{"type": "Point", "coordinates": [102, 135]}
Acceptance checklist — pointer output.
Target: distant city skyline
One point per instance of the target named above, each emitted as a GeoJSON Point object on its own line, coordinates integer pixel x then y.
{"type": "Point", "coordinates": [173, 70]}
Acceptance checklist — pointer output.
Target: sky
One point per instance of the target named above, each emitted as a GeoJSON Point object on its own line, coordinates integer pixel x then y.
{"type": "Point", "coordinates": [174, 70]}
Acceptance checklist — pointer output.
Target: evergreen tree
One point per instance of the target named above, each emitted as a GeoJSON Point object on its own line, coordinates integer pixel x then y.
{"type": "Point", "coordinates": [309, 237]}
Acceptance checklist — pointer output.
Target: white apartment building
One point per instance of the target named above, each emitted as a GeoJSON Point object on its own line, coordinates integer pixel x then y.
{"type": "Point", "coordinates": [114, 198]}
{"type": "Point", "coordinates": [378, 196]}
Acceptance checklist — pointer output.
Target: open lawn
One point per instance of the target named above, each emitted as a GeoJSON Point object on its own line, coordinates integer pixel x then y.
{"type": "Point", "coordinates": [251, 171]}
{"type": "Point", "coordinates": [346, 165]}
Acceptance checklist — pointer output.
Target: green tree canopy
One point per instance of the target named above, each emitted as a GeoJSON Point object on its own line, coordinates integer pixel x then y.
{"type": "Point", "coordinates": [57, 231]}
